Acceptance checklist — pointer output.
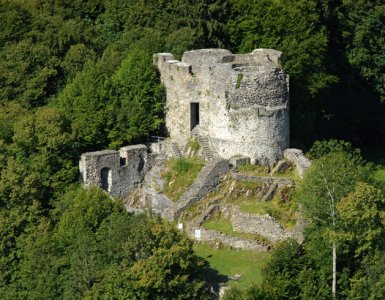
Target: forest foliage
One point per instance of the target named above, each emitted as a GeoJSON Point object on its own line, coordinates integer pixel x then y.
{"type": "Point", "coordinates": [77, 76]}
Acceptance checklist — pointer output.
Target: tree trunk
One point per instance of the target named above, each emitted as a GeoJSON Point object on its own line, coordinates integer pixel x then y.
{"type": "Point", "coordinates": [334, 284]}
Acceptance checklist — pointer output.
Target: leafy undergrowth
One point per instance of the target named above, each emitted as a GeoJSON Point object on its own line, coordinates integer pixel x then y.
{"type": "Point", "coordinates": [257, 170]}
{"type": "Point", "coordinates": [378, 159]}
{"type": "Point", "coordinates": [228, 262]}
{"type": "Point", "coordinates": [179, 174]}
{"type": "Point", "coordinates": [219, 223]}
{"type": "Point", "coordinates": [379, 175]}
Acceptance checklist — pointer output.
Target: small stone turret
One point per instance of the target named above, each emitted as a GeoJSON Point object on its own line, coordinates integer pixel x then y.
{"type": "Point", "coordinates": [239, 102]}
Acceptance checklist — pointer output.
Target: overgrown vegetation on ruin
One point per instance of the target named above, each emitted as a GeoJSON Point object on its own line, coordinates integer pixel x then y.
{"type": "Point", "coordinates": [247, 196]}
{"type": "Point", "coordinates": [265, 171]}
{"type": "Point", "coordinates": [219, 223]}
{"type": "Point", "coordinates": [179, 174]}
{"type": "Point", "coordinates": [77, 76]}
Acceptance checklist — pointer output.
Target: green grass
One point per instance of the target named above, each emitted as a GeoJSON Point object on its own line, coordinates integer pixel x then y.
{"type": "Point", "coordinates": [179, 174]}
{"type": "Point", "coordinates": [219, 223]}
{"type": "Point", "coordinates": [256, 170]}
{"type": "Point", "coordinates": [284, 212]}
{"type": "Point", "coordinates": [245, 196]}
{"type": "Point", "coordinates": [228, 262]}
{"type": "Point", "coordinates": [194, 145]}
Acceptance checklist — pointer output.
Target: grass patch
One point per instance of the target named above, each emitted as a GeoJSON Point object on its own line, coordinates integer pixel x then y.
{"type": "Point", "coordinates": [283, 212]}
{"type": "Point", "coordinates": [228, 262]}
{"type": "Point", "coordinates": [245, 195]}
{"type": "Point", "coordinates": [257, 170]}
{"type": "Point", "coordinates": [193, 145]}
{"type": "Point", "coordinates": [239, 80]}
{"type": "Point", "coordinates": [219, 223]}
{"type": "Point", "coordinates": [179, 174]}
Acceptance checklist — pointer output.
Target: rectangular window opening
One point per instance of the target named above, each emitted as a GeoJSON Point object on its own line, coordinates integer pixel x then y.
{"type": "Point", "coordinates": [194, 115]}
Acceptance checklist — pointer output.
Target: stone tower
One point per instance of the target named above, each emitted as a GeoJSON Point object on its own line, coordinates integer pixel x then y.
{"type": "Point", "coordinates": [239, 102]}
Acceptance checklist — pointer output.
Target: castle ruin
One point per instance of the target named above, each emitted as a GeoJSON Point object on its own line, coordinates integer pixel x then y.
{"type": "Point", "coordinates": [115, 171]}
{"type": "Point", "coordinates": [235, 105]}
{"type": "Point", "coordinates": [239, 102]}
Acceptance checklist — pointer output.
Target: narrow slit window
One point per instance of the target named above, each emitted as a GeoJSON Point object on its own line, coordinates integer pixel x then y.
{"type": "Point", "coordinates": [194, 115]}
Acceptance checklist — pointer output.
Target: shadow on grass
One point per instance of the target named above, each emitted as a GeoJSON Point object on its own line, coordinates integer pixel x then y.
{"type": "Point", "coordinates": [216, 279]}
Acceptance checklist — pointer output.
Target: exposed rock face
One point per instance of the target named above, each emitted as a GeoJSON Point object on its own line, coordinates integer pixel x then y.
{"type": "Point", "coordinates": [240, 102]}
{"type": "Point", "coordinates": [280, 167]}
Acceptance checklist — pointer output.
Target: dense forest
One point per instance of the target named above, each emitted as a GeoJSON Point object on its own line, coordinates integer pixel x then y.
{"type": "Point", "coordinates": [77, 76]}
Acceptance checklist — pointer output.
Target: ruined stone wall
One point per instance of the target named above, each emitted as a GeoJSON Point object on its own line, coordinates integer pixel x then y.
{"type": "Point", "coordinates": [296, 157]}
{"type": "Point", "coordinates": [207, 179]}
{"type": "Point", "coordinates": [243, 101]}
{"type": "Point", "coordinates": [115, 171]}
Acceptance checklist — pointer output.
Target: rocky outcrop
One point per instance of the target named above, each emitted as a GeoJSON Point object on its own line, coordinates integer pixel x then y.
{"type": "Point", "coordinates": [280, 167]}
{"type": "Point", "coordinates": [148, 194]}
{"type": "Point", "coordinates": [270, 193]}
{"type": "Point", "coordinates": [205, 216]}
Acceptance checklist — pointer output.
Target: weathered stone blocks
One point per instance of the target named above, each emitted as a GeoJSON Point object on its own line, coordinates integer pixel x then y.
{"type": "Point", "coordinates": [115, 171]}
{"type": "Point", "coordinates": [296, 157]}
{"type": "Point", "coordinates": [240, 102]}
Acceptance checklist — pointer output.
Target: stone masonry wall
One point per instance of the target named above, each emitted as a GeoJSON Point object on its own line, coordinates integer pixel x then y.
{"type": "Point", "coordinates": [252, 223]}
{"type": "Point", "coordinates": [208, 178]}
{"type": "Point", "coordinates": [115, 171]}
{"type": "Point", "coordinates": [296, 157]}
{"type": "Point", "coordinates": [243, 101]}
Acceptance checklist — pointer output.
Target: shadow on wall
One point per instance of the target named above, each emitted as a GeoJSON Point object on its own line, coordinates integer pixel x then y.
{"type": "Point", "coordinates": [106, 178]}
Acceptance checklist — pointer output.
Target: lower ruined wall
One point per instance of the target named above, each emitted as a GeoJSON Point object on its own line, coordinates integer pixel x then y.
{"type": "Point", "coordinates": [296, 157]}
{"type": "Point", "coordinates": [207, 179]}
{"type": "Point", "coordinates": [115, 171]}
{"type": "Point", "coordinates": [257, 133]}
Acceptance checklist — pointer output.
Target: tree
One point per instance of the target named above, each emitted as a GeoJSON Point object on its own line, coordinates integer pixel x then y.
{"type": "Point", "coordinates": [329, 179]}
{"type": "Point", "coordinates": [159, 263]}
{"type": "Point", "coordinates": [363, 216]}
{"type": "Point", "coordinates": [363, 25]}
{"type": "Point", "coordinates": [369, 280]}
{"type": "Point", "coordinates": [138, 100]}
{"type": "Point", "coordinates": [296, 28]}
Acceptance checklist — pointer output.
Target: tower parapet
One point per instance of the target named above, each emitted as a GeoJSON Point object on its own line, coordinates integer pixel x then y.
{"type": "Point", "coordinates": [239, 101]}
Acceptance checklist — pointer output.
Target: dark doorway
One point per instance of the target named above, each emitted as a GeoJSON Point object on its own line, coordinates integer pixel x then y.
{"type": "Point", "coordinates": [194, 115]}
{"type": "Point", "coordinates": [106, 177]}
